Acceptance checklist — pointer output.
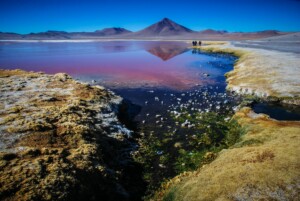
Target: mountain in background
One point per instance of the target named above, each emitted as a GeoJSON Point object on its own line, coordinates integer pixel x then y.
{"type": "Point", "coordinates": [165, 27]}
{"type": "Point", "coordinates": [113, 31]}
{"type": "Point", "coordinates": [10, 36]}
{"type": "Point", "coordinates": [211, 31]}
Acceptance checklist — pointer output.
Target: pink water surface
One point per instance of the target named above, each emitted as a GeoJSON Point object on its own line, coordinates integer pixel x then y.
{"type": "Point", "coordinates": [114, 63]}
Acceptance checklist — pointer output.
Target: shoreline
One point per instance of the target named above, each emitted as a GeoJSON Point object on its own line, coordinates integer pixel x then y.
{"type": "Point", "coordinates": [261, 73]}
{"type": "Point", "coordinates": [94, 40]}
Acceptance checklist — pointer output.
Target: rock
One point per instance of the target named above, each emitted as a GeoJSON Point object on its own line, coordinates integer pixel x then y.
{"type": "Point", "coordinates": [161, 166]}
{"type": "Point", "coordinates": [210, 155]}
{"type": "Point", "coordinates": [62, 77]}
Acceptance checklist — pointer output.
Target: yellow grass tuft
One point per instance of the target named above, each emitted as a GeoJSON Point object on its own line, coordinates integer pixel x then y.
{"type": "Point", "coordinates": [267, 169]}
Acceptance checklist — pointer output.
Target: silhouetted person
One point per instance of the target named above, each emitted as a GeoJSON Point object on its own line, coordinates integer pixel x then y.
{"type": "Point", "coordinates": [199, 43]}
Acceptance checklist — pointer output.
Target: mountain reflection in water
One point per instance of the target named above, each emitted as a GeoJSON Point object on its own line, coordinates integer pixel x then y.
{"type": "Point", "coordinates": [117, 64]}
{"type": "Point", "coordinates": [166, 51]}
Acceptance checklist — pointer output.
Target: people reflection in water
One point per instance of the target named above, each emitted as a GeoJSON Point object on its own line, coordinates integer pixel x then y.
{"type": "Point", "coordinates": [196, 50]}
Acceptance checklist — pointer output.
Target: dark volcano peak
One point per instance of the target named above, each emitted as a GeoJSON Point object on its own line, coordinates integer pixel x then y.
{"type": "Point", "coordinates": [165, 27]}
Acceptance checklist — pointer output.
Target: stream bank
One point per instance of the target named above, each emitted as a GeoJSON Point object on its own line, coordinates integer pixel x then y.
{"type": "Point", "coordinates": [62, 140]}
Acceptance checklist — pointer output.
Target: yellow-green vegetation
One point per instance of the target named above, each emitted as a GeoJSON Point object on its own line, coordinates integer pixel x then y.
{"type": "Point", "coordinates": [262, 73]}
{"type": "Point", "coordinates": [164, 155]}
{"type": "Point", "coordinates": [59, 139]}
{"type": "Point", "coordinates": [263, 165]}
{"type": "Point", "coordinates": [214, 42]}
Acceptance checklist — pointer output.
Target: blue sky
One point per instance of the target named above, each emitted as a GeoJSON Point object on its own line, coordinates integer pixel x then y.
{"type": "Point", "coordinates": [25, 16]}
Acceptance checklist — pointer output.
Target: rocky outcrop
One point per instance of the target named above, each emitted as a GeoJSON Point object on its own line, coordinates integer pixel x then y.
{"type": "Point", "coordinates": [61, 140]}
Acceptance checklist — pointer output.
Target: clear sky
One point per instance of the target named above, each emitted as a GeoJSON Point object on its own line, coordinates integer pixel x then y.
{"type": "Point", "coordinates": [25, 16]}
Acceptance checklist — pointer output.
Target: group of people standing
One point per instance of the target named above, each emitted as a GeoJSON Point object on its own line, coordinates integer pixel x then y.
{"type": "Point", "coordinates": [195, 43]}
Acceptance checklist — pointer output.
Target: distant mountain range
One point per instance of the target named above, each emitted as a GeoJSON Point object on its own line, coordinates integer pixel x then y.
{"type": "Point", "coordinates": [165, 28]}
{"type": "Point", "coordinates": [112, 31]}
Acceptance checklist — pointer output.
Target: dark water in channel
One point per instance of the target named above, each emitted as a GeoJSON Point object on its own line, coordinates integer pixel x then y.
{"type": "Point", "coordinates": [277, 111]}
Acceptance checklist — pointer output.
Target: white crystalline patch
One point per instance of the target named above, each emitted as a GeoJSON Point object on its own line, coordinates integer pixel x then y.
{"type": "Point", "coordinates": [278, 71]}
{"type": "Point", "coordinates": [24, 92]}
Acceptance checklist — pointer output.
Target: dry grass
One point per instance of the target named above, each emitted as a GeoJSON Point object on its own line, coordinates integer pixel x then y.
{"type": "Point", "coordinates": [52, 134]}
{"type": "Point", "coordinates": [268, 170]}
{"type": "Point", "coordinates": [214, 43]}
{"type": "Point", "coordinates": [18, 72]}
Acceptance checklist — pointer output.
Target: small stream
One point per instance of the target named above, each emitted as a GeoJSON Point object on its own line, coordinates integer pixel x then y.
{"type": "Point", "coordinates": [277, 111]}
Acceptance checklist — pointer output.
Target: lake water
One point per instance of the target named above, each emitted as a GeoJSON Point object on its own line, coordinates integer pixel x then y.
{"type": "Point", "coordinates": [117, 64]}
{"type": "Point", "coordinates": [157, 77]}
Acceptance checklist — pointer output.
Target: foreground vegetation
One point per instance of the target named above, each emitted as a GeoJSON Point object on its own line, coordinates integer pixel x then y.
{"type": "Point", "coordinates": [262, 165]}
{"type": "Point", "coordinates": [165, 155]}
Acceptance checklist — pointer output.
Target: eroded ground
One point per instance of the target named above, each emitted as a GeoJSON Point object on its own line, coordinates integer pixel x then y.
{"type": "Point", "coordinates": [60, 139]}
